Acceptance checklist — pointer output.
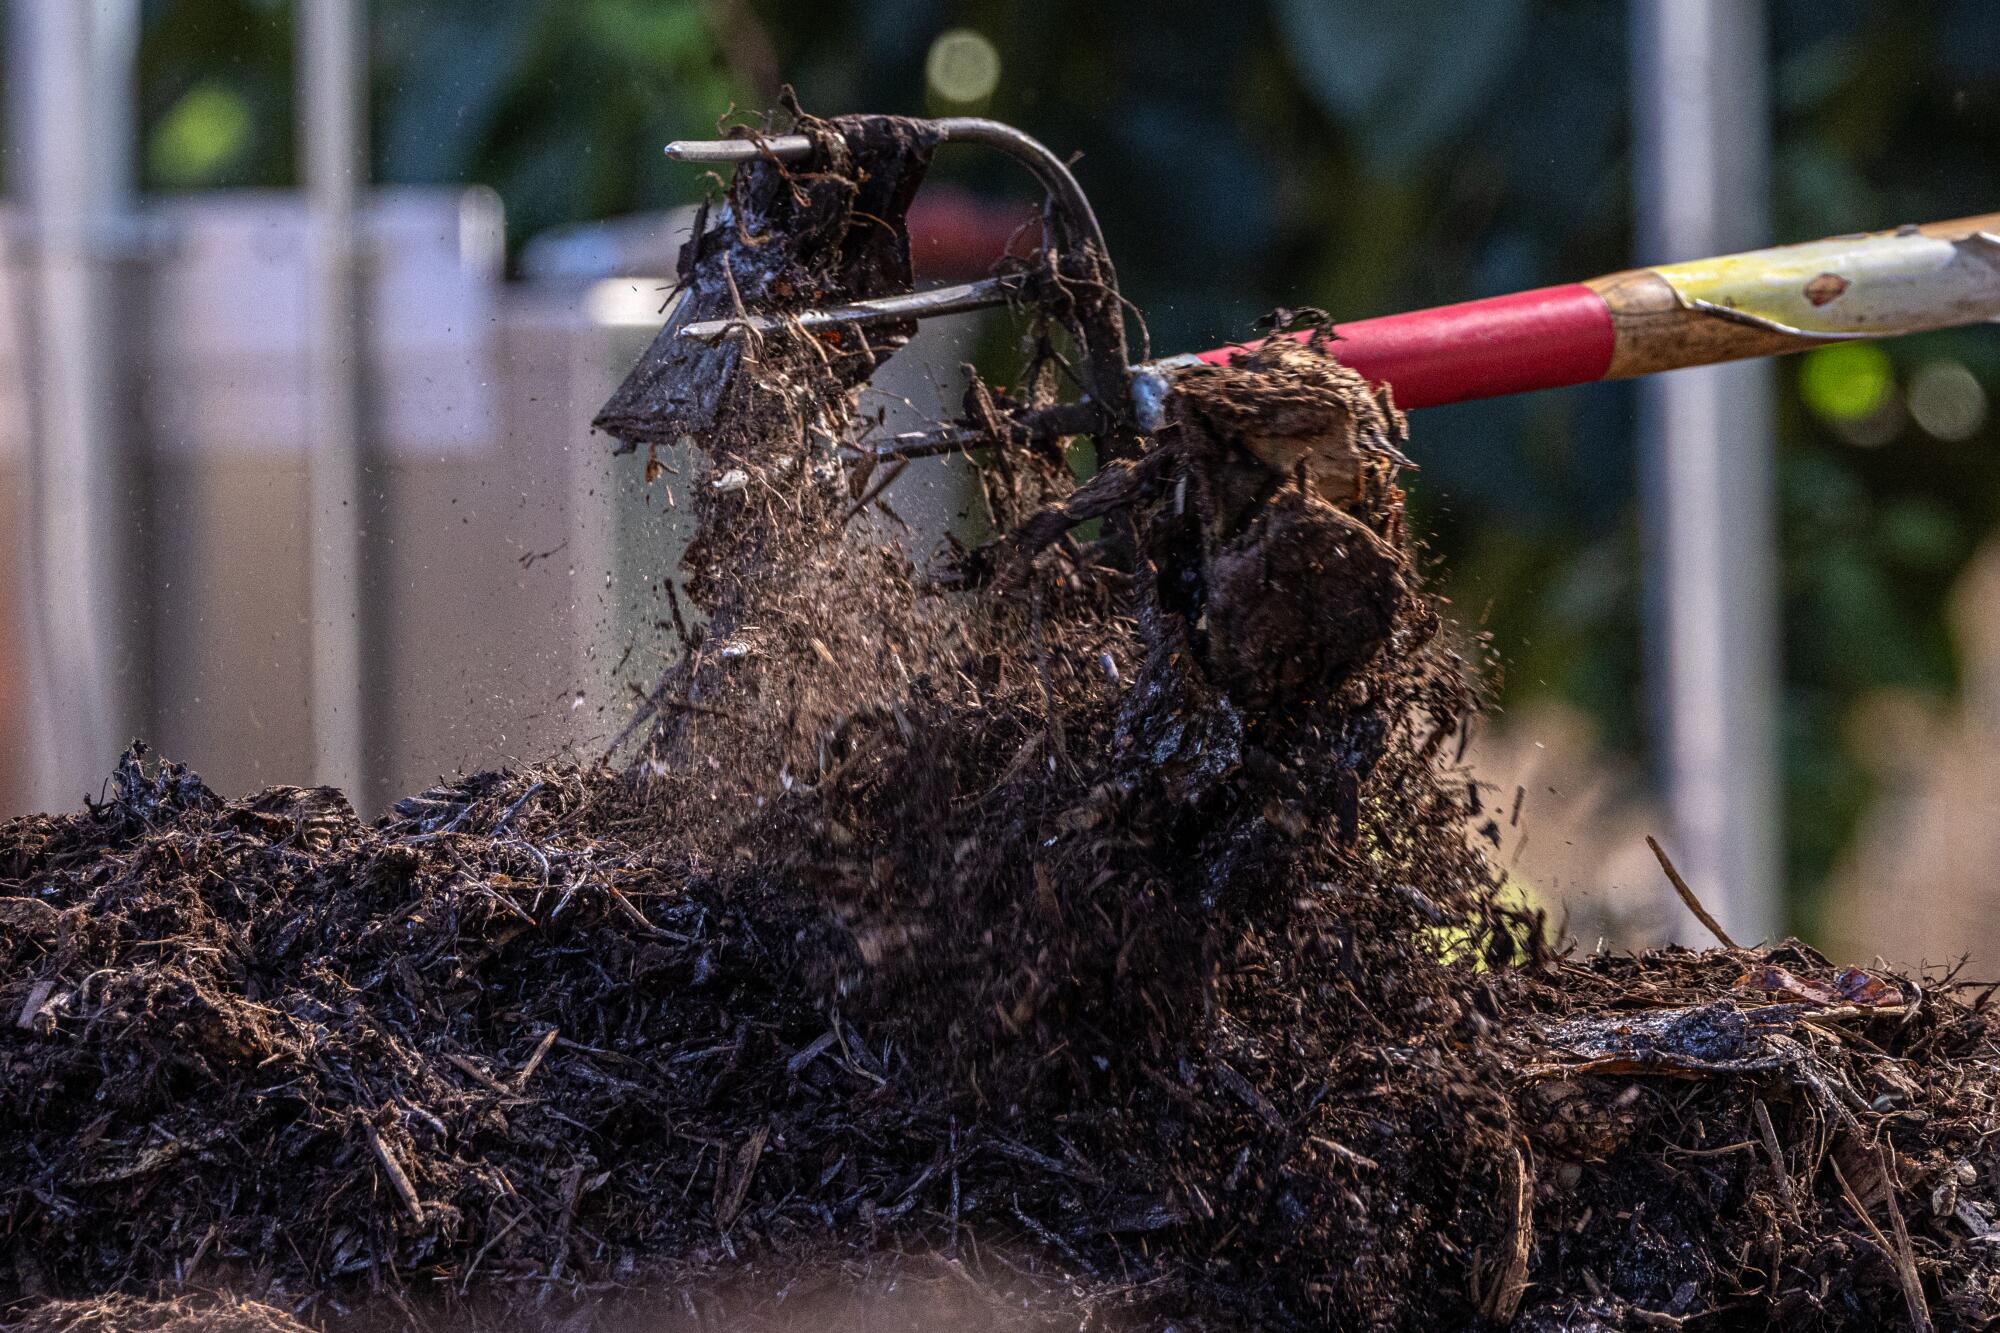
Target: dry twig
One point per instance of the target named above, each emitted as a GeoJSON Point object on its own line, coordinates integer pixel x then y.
{"type": "Point", "coordinates": [1687, 896]}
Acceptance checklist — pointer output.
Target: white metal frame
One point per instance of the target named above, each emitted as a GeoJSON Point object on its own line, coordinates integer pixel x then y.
{"type": "Point", "coordinates": [1701, 122]}
{"type": "Point", "coordinates": [71, 124]}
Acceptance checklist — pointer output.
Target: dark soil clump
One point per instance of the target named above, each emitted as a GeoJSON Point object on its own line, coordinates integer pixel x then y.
{"type": "Point", "coordinates": [1088, 933]}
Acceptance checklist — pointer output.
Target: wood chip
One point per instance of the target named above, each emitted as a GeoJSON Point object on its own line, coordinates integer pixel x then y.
{"type": "Point", "coordinates": [732, 1180]}
{"type": "Point", "coordinates": [629, 910]}
{"type": "Point", "coordinates": [1905, 1254]}
{"type": "Point", "coordinates": [535, 1060]}
{"type": "Point", "coordinates": [1768, 1132]}
{"type": "Point", "coordinates": [478, 1075]}
{"type": "Point", "coordinates": [31, 1009]}
{"type": "Point", "coordinates": [1344, 1153]}
{"type": "Point", "coordinates": [812, 1052]}
{"type": "Point", "coordinates": [1901, 1256]}
{"type": "Point", "coordinates": [392, 1169]}
{"type": "Point", "coordinates": [1502, 1297]}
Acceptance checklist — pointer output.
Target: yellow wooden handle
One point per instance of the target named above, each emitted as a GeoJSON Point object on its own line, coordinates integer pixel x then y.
{"type": "Point", "coordinates": [1789, 297]}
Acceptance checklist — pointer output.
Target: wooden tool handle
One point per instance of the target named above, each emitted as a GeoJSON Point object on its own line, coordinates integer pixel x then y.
{"type": "Point", "coordinates": [1645, 320]}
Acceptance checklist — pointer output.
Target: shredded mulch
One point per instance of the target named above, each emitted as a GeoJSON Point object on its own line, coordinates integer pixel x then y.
{"type": "Point", "coordinates": [1093, 930]}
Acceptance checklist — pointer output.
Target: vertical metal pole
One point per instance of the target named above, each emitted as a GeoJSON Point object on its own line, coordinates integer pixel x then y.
{"type": "Point", "coordinates": [1702, 157]}
{"type": "Point", "coordinates": [72, 110]}
{"type": "Point", "coordinates": [333, 148]}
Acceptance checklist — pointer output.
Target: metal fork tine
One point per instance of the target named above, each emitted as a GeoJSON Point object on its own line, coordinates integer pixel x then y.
{"type": "Point", "coordinates": [882, 310]}
{"type": "Point", "coordinates": [785, 147]}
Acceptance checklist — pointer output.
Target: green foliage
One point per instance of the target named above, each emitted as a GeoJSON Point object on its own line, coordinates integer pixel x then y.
{"type": "Point", "coordinates": [1412, 71]}
{"type": "Point", "coordinates": [561, 105]}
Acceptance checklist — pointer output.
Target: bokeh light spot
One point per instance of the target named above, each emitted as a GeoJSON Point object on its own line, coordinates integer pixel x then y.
{"type": "Point", "coordinates": [1948, 401]}
{"type": "Point", "coordinates": [1846, 382]}
{"type": "Point", "coordinates": [963, 66]}
{"type": "Point", "coordinates": [201, 136]}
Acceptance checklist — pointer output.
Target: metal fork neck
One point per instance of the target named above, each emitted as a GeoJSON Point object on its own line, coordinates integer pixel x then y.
{"type": "Point", "coordinates": [1072, 206]}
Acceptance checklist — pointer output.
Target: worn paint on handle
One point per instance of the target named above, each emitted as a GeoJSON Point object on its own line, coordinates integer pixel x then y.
{"type": "Point", "coordinates": [1646, 320]}
{"type": "Point", "coordinates": [1865, 286]}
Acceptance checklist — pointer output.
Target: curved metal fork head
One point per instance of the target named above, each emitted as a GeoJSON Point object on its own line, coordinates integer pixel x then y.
{"type": "Point", "coordinates": [1081, 268]}
{"type": "Point", "coordinates": [1070, 206]}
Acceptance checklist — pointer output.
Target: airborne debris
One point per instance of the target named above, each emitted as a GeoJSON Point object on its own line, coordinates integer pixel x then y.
{"type": "Point", "coordinates": [1091, 938]}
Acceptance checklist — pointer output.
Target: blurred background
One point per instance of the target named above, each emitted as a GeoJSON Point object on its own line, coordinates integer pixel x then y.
{"type": "Point", "coordinates": [305, 306]}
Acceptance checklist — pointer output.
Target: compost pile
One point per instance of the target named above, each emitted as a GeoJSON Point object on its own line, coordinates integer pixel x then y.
{"type": "Point", "coordinates": [1089, 931]}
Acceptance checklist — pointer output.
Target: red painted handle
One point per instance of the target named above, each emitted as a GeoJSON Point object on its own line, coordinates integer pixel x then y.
{"type": "Point", "coordinates": [1543, 339]}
